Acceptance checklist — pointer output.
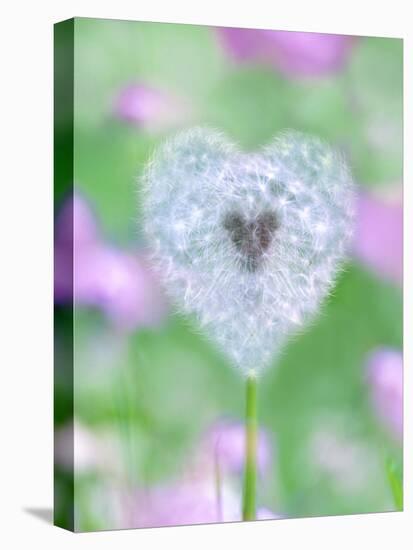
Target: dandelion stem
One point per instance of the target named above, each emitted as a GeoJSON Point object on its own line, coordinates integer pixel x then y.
{"type": "Point", "coordinates": [250, 474]}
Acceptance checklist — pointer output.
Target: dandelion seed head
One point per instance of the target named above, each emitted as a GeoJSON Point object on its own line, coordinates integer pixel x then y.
{"type": "Point", "coordinates": [250, 244]}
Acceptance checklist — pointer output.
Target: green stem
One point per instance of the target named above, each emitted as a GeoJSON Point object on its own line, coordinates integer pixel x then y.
{"type": "Point", "coordinates": [396, 484]}
{"type": "Point", "coordinates": [250, 475]}
{"type": "Point", "coordinates": [218, 486]}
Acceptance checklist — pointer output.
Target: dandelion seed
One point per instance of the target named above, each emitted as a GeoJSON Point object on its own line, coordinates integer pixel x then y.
{"type": "Point", "coordinates": [321, 228]}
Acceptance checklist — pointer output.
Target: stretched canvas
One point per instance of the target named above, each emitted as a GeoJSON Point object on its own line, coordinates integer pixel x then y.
{"type": "Point", "coordinates": [228, 274]}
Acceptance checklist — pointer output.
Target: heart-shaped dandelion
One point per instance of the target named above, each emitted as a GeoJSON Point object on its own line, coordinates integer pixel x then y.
{"type": "Point", "coordinates": [248, 243]}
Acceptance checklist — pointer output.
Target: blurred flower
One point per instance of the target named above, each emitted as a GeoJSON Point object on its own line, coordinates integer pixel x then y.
{"type": "Point", "coordinates": [190, 504]}
{"type": "Point", "coordinates": [80, 449]}
{"type": "Point", "coordinates": [184, 504]}
{"type": "Point", "coordinates": [385, 376]}
{"type": "Point", "coordinates": [206, 492]}
{"type": "Point", "coordinates": [148, 107]}
{"type": "Point", "coordinates": [347, 462]}
{"type": "Point", "coordinates": [265, 513]}
{"type": "Point", "coordinates": [292, 53]}
{"type": "Point", "coordinates": [379, 235]}
{"type": "Point", "coordinates": [99, 275]}
{"type": "Point", "coordinates": [224, 443]}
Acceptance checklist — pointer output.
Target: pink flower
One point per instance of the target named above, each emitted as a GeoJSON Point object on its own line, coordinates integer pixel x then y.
{"type": "Point", "coordinates": [96, 274]}
{"type": "Point", "coordinates": [189, 504]}
{"type": "Point", "coordinates": [385, 377]}
{"type": "Point", "coordinates": [295, 54]}
{"type": "Point", "coordinates": [379, 236]}
{"type": "Point", "coordinates": [346, 461]}
{"type": "Point", "coordinates": [184, 504]}
{"type": "Point", "coordinates": [209, 489]}
{"type": "Point", "coordinates": [148, 107]}
{"type": "Point", "coordinates": [225, 442]}
{"type": "Point", "coordinates": [85, 450]}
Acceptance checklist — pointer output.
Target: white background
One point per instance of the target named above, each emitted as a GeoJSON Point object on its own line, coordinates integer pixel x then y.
{"type": "Point", "coordinates": [26, 273]}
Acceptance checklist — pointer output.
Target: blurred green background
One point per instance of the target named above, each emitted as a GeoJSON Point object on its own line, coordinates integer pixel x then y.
{"type": "Point", "coordinates": [152, 392]}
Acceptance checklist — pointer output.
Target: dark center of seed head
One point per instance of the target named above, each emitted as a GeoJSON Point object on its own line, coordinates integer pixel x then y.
{"type": "Point", "coordinates": [251, 237]}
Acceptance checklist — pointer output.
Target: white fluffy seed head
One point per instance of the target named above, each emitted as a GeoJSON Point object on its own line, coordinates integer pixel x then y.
{"type": "Point", "coordinates": [248, 243]}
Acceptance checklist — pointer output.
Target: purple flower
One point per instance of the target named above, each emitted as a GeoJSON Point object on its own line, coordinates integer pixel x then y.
{"type": "Point", "coordinates": [346, 461]}
{"type": "Point", "coordinates": [188, 504]}
{"type": "Point", "coordinates": [385, 377]}
{"type": "Point", "coordinates": [379, 236]}
{"type": "Point", "coordinates": [184, 504]}
{"type": "Point", "coordinates": [294, 54]}
{"type": "Point", "coordinates": [266, 513]}
{"type": "Point", "coordinates": [148, 107]}
{"type": "Point", "coordinates": [207, 492]}
{"type": "Point", "coordinates": [95, 274]}
{"type": "Point", "coordinates": [225, 443]}
{"type": "Point", "coordinates": [78, 446]}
